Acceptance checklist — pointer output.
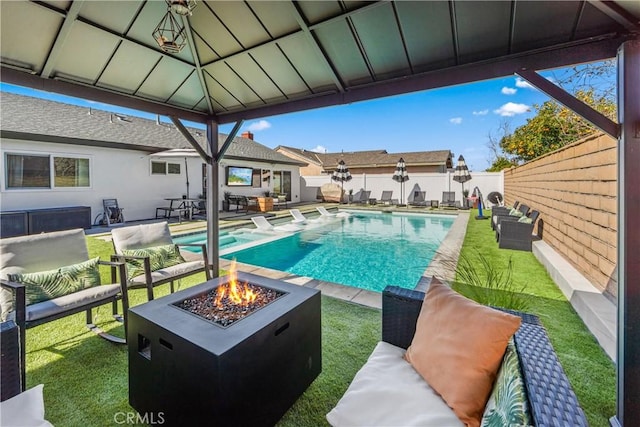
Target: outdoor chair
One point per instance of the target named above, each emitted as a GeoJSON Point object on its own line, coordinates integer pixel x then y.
{"type": "Point", "coordinates": [48, 276]}
{"type": "Point", "coordinates": [364, 197]}
{"type": "Point", "coordinates": [500, 213]}
{"type": "Point", "coordinates": [448, 199]}
{"type": "Point", "coordinates": [517, 234]}
{"type": "Point", "coordinates": [324, 213]}
{"type": "Point", "coordinates": [18, 406]}
{"type": "Point", "coordinates": [386, 199]}
{"type": "Point", "coordinates": [262, 224]}
{"type": "Point", "coordinates": [153, 259]}
{"type": "Point", "coordinates": [299, 218]}
{"type": "Point", "coordinates": [419, 198]}
{"type": "Point", "coordinates": [112, 212]}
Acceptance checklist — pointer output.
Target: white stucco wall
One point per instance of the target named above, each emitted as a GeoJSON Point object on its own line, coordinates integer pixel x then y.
{"type": "Point", "coordinates": [433, 183]}
{"type": "Point", "coordinates": [121, 174]}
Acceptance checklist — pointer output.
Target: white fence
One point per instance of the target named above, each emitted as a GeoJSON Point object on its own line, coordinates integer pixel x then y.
{"type": "Point", "coordinates": [433, 183]}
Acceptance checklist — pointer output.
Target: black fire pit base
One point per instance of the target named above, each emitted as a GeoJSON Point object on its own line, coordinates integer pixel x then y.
{"type": "Point", "coordinates": [192, 372]}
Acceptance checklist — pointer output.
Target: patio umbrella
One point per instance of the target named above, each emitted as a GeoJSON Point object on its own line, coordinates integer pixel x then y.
{"type": "Point", "coordinates": [341, 174]}
{"type": "Point", "coordinates": [462, 174]}
{"type": "Point", "coordinates": [401, 176]}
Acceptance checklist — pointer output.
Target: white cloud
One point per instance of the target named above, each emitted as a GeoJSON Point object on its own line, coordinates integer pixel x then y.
{"type": "Point", "coordinates": [508, 91]}
{"type": "Point", "coordinates": [456, 120]}
{"type": "Point", "coordinates": [259, 125]}
{"type": "Point", "coordinates": [510, 109]}
{"type": "Point", "coordinates": [481, 113]}
{"type": "Point", "coordinates": [523, 84]}
{"type": "Point", "coordinates": [319, 149]}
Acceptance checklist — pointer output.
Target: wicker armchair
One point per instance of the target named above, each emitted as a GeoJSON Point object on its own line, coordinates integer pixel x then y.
{"type": "Point", "coordinates": [551, 399]}
{"type": "Point", "coordinates": [511, 234]}
{"type": "Point", "coordinates": [12, 370]}
{"type": "Point", "coordinates": [498, 213]}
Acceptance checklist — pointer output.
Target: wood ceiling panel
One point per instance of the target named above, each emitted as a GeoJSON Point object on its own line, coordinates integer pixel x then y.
{"type": "Point", "coordinates": [114, 15]}
{"type": "Point", "coordinates": [19, 45]}
{"type": "Point", "coordinates": [128, 78]}
{"type": "Point", "coordinates": [276, 65]}
{"type": "Point", "coordinates": [378, 32]}
{"type": "Point", "coordinates": [209, 27]}
{"type": "Point", "coordinates": [343, 52]}
{"type": "Point", "coordinates": [249, 71]}
{"type": "Point", "coordinates": [189, 94]}
{"type": "Point", "coordinates": [234, 84]}
{"type": "Point", "coordinates": [165, 79]}
{"type": "Point", "coordinates": [85, 53]}
{"type": "Point", "coordinates": [220, 95]}
{"type": "Point", "coordinates": [556, 17]}
{"type": "Point", "coordinates": [316, 11]}
{"type": "Point", "coordinates": [237, 17]}
{"type": "Point", "coordinates": [276, 16]}
{"type": "Point", "coordinates": [311, 68]}
{"type": "Point", "coordinates": [591, 21]}
{"type": "Point", "coordinates": [426, 27]}
{"type": "Point", "coordinates": [482, 28]}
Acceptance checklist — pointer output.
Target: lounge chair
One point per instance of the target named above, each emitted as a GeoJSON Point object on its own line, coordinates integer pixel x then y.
{"type": "Point", "coordinates": [448, 199]}
{"type": "Point", "coordinates": [152, 258]}
{"type": "Point", "coordinates": [324, 213]}
{"type": "Point", "coordinates": [299, 218]}
{"type": "Point", "coordinates": [386, 199]}
{"type": "Point", "coordinates": [419, 198]}
{"type": "Point", "coordinates": [364, 197]}
{"type": "Point", "coordinates": [262, 224]}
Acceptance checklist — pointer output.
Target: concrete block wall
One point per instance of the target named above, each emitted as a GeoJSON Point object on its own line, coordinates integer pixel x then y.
{"type": "Point", "coordinates": [575, 189]}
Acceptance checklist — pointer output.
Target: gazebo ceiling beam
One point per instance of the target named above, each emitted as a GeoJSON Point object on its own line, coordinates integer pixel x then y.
{"type": "Point", "coordinates": [559, 56]}
{"type": "Point", "coordinates": [571, 102]}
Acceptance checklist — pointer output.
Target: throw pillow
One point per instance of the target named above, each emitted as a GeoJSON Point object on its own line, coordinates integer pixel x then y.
{"type": "Point", "coordinates": [159, 257]}
{"type": "Point", "coordinates": [458, 347]}
{"type": "Point", "coordinates": [525, 219]}
{"type": "Point", "coordinates": [46, 285]}
{"type": "Point", "coordinates": [515, 212]}
{"type": "Point", "coordinates": [507, 405]}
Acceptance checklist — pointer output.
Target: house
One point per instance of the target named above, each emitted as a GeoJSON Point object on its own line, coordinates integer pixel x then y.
{"type": "Point", "coordinates": [58, 155]}
{"type": "Point", "coordinates": [370, 161]}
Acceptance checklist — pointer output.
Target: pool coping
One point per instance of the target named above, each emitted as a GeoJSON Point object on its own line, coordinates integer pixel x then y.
{"type": "Point", "coordinates": [440, 266]}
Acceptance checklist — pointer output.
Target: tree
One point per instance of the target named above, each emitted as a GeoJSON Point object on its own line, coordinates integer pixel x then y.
{"type": "Point", "coordinates": [498, 158]}
{"type": "Point", "coordinates": [554, 126]}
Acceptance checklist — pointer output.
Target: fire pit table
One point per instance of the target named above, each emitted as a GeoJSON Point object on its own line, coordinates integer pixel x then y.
{"type": "Point", "coordinates": [199, 357]}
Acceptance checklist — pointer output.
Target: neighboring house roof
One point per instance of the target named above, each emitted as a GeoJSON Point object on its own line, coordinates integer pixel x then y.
{"type": "Point", "coordinates": [373, 158]}
{"type": "Point", "coordinates": [25, 117]}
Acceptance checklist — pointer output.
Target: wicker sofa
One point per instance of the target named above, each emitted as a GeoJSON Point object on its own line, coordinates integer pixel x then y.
{"type": "Point", "coordinates": [381, 391]}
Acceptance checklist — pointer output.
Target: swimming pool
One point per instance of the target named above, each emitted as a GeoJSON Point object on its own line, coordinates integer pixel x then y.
{"type": "Point", "coordinates": [366, 250]}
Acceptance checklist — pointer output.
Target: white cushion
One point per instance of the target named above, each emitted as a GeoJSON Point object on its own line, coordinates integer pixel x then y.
{"type": "Point", "coordinates": [168, 272]}
{"type": "Point", "coordinates": [25, 409]}
{"type": "Point", "coordinates": [68, 302]}
{"type": "Point", "coordinates": [387, 391]}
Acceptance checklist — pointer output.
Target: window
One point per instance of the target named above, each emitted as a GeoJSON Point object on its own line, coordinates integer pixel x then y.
{"type": "Point", "coordinates": [164, 168]}
{"type": "Point", "coordinates": [39, 171]}
{"type": "Point", "coordinates": [71, 172]}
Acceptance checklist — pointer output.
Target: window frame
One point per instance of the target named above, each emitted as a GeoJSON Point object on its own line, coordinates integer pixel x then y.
{"type": "Point", "coordinates": [50, 156]}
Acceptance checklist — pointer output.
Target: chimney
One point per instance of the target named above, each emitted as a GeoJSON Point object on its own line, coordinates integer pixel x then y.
{"type": "Point", "coordinates": [247, 135]}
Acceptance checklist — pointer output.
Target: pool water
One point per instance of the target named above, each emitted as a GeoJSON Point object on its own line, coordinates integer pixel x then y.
{"type": "Point", "coordinates": [367, 251]}
{"type": "Point", "coordinates": [226, 239]}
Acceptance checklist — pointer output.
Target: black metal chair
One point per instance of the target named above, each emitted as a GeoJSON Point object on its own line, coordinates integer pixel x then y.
{"type": "Point", "coordinates": [12, 370]}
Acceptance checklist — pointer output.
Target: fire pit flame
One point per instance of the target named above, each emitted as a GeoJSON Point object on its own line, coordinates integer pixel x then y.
{"type": "Point", "coordinates": [231, 301]}
{"type": "Point", "coordinates": [234, 292]}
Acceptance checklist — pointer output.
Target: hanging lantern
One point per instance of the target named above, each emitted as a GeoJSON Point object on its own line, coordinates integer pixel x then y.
{"type": "Point", "coordinates": [169, 34]}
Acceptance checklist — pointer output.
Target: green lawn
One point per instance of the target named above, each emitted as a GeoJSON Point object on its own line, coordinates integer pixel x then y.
{"type": "Point", "coordinates": [85, 377]}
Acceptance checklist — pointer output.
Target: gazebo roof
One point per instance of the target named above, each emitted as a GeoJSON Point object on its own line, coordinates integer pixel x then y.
{"type": "Point", "coordinates": [259, 58]}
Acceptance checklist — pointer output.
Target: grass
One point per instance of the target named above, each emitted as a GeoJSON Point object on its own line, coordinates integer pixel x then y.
{"type": "Point", "coordinates": [85, 377]}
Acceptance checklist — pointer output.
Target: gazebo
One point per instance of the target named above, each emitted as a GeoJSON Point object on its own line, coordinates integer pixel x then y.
{"type": "Point", "coordinates": [226, 62]}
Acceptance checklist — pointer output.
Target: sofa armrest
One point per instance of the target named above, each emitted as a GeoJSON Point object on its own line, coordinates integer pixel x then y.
{"type": "Point", "coordinates": [400, 310]}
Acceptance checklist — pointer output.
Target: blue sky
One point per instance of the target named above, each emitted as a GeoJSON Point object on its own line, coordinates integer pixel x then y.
{"type": "Point", "coordinates": [457, 118]}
